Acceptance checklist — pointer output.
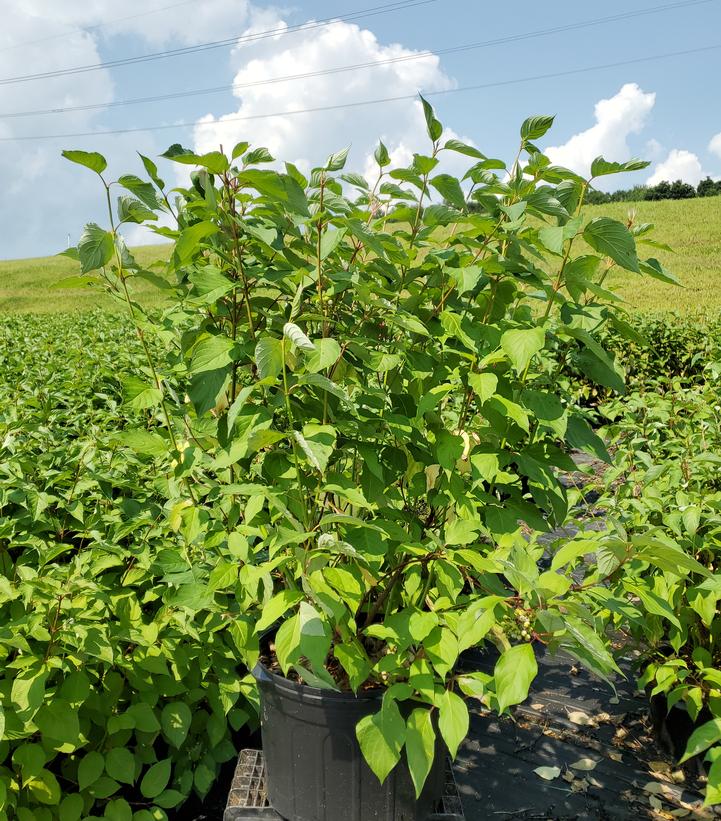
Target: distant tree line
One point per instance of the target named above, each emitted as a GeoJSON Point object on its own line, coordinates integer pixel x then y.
{"type": "Point", "coordinates": [678, 190]}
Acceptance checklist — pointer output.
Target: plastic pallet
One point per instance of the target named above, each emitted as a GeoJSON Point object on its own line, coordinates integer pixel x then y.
{"type": "Point", "coordinates": [248, 799]}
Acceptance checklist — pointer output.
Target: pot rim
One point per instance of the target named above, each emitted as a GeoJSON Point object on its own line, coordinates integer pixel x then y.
{"type": "Point", "coordinates": [295, 688]}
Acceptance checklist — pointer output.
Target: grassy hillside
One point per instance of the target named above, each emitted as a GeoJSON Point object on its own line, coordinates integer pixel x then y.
{"type": "Point", "coordinates": [691, 227]}
{"type": "Point", "coordinates": [26, 285]}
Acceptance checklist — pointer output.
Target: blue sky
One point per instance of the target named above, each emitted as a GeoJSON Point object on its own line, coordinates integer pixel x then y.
{"type": "Point", "coordinates": [664, 110]}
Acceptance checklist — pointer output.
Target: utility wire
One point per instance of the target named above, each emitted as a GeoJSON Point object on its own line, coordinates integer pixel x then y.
{"type": "Point", "coordinates": [420, 55]}
{"type": "Point", "coordinates": [85, 29]}
{"type": "Point", "coordinates": [373, 11]}
{"type": "Point", "coordinates": [360, 103]}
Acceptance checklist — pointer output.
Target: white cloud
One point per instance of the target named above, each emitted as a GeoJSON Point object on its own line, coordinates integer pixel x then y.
{"type": "Point", "coordinates": [43, 35]}
{"type": "Point", "coordinates": [185, 22]}
{"type": "Point", "coordinates": [45, 196]}
{"type": "Point", "coordinates": [678, 165]}
{"type": "Point", "coordinates": [653, 150]}
{"type": "Point", "coordinates": [307, 139]}
{"type": "Point", "coordinates": [715, 145]}
{"type": "Point", "coordinates": [617, 118]}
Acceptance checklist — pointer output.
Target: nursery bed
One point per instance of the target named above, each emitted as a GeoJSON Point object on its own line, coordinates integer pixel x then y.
{"type": "Point", "coordinates": [621, 771]}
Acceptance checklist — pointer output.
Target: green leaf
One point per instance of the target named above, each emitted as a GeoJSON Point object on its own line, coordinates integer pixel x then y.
{"type": "Point", "coordinates": [463, 148]}
{"type": "Point", "coordinates": [654, 603]}
{"type": "Point", "coordinates": [484, 384]}
{"type": "Point", "coordinates": [521, 345]}
{"type": "Point", "coordinates": [433, 126]}
{"type": "Point", "coordinates": [211, 353]}
{"type": "Point", "coordinates": [139, 394]}
{"type": "Point", "coordinates": [95, 248]}
{"type": "Point", "coordinates": [206, 388]}
{"type": "Point", "coordinates": [461, 531]}
{"type": "Point", "coordinates": [354, 661]}
{"type": "Point", "coordinates": [552, 238]}
{"type": "Point", "coordinates": [381, 737]}
{"type": "Point", "coordinates": [601, 167]}
{"type": "Point", "coordinates": [70, 809]}
{"type": "Point", "coordinates": [453, 720]}
{"type": "Point", "coordinates": [75, 282]}
{"type": "Point", "coordinates": [653, 268]}
{"type": "Point", "coordinates": [702, 738]}
{"type": "Point", "coordinates": [132, 210]}
{"type": "Point", "coordinates": [277, 607]}
{"type": "Point", "coordinates": [612, 239]}
{"type": "Point", "coordinates": [535, 127]}
{"type": "Point", "coordinates": [450, 189]}
{"type": "Point", "coordinates": [118, 810]}
{"type": "Point", "coordinates": [420, 746]}
{"type": "Point", "coordinates": [713, 784]}
{"type": "Point", "coordinates": [144, 718]}
{"type": "Point", "coordinates": [297, 337]}
{"type": "Point", "coordinates": [144, 191]}
{"type": "Point", "coordinates": [59, 724]}
{"type": "Point", "coordinates": [324, 384]}
{"type": "Point", "coordinates": [152, 170]}
{"type": "Point", "coordinates": [326, 353]}
{"type": "Point", "coordinates": [44, 788]}
{"type": "Point", "coordinates": [318, 443]}
{"type": "Point", "coordinates": [156, 778]}
{"type": "Point", "coordinates": [90, 159]}
{"type": "Point", "coordinates": [31, 758]}
{"type": "Point", "coordinates": [441, 647]}
{"type": "Point", "coordinates": [239, 149]}
{"type": "Point", "coordinates": [214, 161]}
{"type": "Point", "coordinates": [90, 769]}
{"type": "Point", "coordinates": [330, 240]}
{"type": "Point", "coordinates": [337, 161]}
{"type": "Point", "coordinates": [475, 623]}
{"type": "Point", "coordinates": [175, 720]}
{"type": "Point", "coordinates": [580, 436]}
{"type": "Point", "coordinates": [190, 239]}
{"type": "Point", "coordinates": [28, 692]}
{"type": "Point", "coordinates": [120, 765]}
{"type": "Point", "coordinates": [513, 674]}
{"type": "Point", "coordinates": [668, 557]}
{"type": "Point", "coordinates": [589, 646]}
{"type": "Point", "coordinates": [269, 357]}
{"type": "Point", "coordinates": [572, 550]}
{"type": "Point", "coordinates": [381, 155]}
{"type": "Point", "coordinates": [257, 155]}
{"type": "Point", "coordinates": [315, 637]}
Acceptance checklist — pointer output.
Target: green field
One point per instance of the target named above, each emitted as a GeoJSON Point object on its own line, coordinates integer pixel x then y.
{"type": "Point", "coordinates": [27, 285]}
{"type": "Point", "coordinates": [691, 227]}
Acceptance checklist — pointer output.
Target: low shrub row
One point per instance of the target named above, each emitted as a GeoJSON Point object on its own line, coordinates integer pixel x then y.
{"type": "Point", "coordinates": [664, 490]}
{"type": "Point", "coordinates": [664, 190]}
{"type": "Point", "coordinates": [119, 645]}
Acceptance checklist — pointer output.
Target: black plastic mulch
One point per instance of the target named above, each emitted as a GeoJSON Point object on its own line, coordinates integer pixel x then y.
{"type": "Point", "coordinates": [621, 770]}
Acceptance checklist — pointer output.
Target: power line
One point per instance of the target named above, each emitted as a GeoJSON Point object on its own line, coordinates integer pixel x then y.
{"type": "Point", "coordinates": [357, 66]}
{"type": "Point", "coordinates": [360, 103]}
{"type": "Point", "coordinates": [373, 11]}
{"type": "Point", "coordinates": [85, 29]}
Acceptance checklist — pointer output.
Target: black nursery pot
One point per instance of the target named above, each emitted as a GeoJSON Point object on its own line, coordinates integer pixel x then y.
{"type": "Point", "coordinates": [314, 765]}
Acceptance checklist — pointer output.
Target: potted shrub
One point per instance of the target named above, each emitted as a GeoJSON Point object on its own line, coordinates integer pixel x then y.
{"type": "Point", "coordinates": [362, 377]}
{"type": "Point", "coordinates": [665, 593]}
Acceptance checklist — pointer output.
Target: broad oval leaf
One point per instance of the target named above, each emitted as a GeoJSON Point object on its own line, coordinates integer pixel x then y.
{"type": "Point", "coordinates": [90, 159]}
{"type": "Point", "coordinates": [513, 674]}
